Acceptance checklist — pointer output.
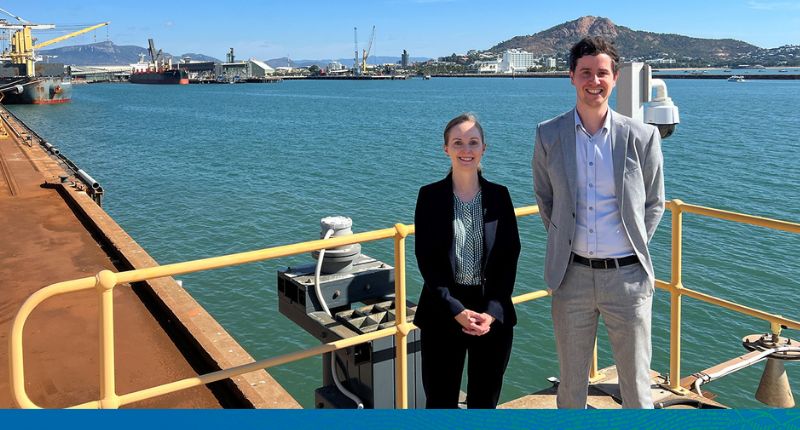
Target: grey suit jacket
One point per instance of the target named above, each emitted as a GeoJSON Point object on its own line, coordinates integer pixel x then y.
{"type": "Point", "coordinates": [638, 177]}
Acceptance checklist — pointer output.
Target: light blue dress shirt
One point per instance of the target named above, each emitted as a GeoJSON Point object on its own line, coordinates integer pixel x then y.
{"type": "Point", "coordinates": [598, 224]}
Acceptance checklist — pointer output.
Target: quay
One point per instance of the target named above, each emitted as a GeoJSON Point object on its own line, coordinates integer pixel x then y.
{"type": "Point", "coordinates": [54, 230]}
{"type": "Point", "coordinates": [749, 76]}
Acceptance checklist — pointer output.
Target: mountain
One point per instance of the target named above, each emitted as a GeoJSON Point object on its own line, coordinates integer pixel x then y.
{"type": "Point", "coordinates": [199, 57]}
{"type": "Point", "coordinates": [106, 53]}
{"type": "Point", "coordinates": [631, 44]}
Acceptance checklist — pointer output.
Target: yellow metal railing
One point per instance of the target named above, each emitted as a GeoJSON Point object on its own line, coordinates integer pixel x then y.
{"type": "Point", "coordinates": [106, 280]}
{"type": "Point", "coordinates": [678, 290]}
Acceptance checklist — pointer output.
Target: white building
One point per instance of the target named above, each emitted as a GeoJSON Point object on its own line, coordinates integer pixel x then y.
{"type": "Point", "coordinates": [550, 63]}
{"type": "Point", "coordinates": [516, 60]}
{"type": "Point", "coordinates": [335, 67]}
{"type": "Point", "coordinates": [259, 69]}
{"type": "Point", "coordinates": [487, 66]}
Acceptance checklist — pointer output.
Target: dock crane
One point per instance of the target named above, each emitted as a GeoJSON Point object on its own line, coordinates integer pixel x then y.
{"type": "Point", "coordinates": [355, 58]}
{"type": "Point", "coordinates": [365, 53]}
{"type": "Point", "coordinates": [22, 48]}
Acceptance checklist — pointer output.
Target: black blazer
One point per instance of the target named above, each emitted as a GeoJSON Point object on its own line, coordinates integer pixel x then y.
{"type": "Point", "coordinates": [433, 220]}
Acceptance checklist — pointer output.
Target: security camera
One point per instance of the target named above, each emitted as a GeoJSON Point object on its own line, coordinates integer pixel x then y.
{"type": "Point", "coordinates": [660, 111]}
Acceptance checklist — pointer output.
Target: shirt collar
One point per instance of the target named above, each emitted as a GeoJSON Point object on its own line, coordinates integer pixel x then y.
{"type": "Point", "coordinates": [579, 125]}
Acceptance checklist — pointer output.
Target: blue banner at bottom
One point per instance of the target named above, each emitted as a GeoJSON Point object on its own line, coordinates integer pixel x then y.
{"type": "Point", "coordinates": [411, 419]}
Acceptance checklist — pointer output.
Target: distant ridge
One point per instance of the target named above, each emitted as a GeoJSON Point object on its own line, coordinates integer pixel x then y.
{"type": "Point", "coordinates": [106, 53]}
{"type": "Point", "coordinates": [632, 44]}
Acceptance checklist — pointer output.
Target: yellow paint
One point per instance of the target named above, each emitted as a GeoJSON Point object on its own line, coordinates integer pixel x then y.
{"type": "Point", "coordinates": [106, 281]}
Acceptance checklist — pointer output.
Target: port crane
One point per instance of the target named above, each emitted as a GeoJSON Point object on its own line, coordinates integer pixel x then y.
{"type": "Point", "coordinates": [365, 53]}
{"type": "Point", "coordinates": [360, 68]}
{"type": "Point", "coordinates": [22, 47]}
{"type": "Point", "coordinates": [355, 59]}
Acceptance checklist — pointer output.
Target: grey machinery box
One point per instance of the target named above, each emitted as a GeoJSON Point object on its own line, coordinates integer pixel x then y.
{"type": "Point", "coordinates": [361, 300]}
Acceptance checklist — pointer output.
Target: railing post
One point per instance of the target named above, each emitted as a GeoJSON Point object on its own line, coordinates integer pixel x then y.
{"type": "Point", "coordinates": [106, 280]}
{"type": "Point", "coordinates": [676, 284]}
{"type": "Point", "coordinates": [594, 374]}
{"type": "Point", "coordinates": [401, 345]}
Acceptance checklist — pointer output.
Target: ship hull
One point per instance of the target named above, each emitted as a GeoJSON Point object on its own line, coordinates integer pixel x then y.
{"type": "Point", "coordinates": [167, 77]}
{"type": "Point", "coordinates": [37, 91]}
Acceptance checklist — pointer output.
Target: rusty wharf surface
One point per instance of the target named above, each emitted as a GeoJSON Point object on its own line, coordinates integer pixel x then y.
{"type": "Point", "coordinates": [52, 232]}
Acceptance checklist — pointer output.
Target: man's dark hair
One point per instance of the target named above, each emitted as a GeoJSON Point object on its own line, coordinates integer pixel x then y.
{"type": "Point", "coordinates": [593, 45]}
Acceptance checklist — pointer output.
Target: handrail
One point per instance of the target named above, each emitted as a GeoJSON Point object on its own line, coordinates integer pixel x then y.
{"type": "Point", "coordinates": [678, 290]}
{"type": "Point", "coordinates": [106, 280]}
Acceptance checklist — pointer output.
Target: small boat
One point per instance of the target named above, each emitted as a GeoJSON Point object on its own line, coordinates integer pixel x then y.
{"type": "Point", "coordinates": [782, 70]}
{"type": "Point", "coordinates": [736, 78]}
{"type": "Point", "coordinates": [426, 77]}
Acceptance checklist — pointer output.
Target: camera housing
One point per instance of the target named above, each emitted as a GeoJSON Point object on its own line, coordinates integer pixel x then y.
{"type": "Point", "coordinates": [661, 112]}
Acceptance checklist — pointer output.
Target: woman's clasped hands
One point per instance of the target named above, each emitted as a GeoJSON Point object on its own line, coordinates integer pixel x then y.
{"type": "Point", "coordinates": [474, 323]}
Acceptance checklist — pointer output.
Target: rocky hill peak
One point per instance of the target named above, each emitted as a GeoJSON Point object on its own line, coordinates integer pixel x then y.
{"type": "Point", "coordinates": [632, 44]}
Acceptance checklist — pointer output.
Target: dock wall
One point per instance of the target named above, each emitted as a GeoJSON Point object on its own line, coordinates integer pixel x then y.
{"type": "Point", "coordinates": [205, 344]}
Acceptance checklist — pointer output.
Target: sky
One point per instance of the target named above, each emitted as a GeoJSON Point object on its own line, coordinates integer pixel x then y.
{"type": "Point", "coordinates": [312, 29]}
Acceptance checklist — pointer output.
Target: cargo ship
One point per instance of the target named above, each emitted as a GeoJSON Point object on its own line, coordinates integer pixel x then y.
{"type": "Point", "coordinates": [35, 90]}
{"type": "Point", "coordinates": [172, 76]}
{"type": "Point", "coordinates": [158, 70]}
{"type": "Point", "coordinates": [22, 79]}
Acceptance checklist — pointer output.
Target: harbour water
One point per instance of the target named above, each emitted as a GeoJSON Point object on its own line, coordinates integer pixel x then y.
{"type": "Point", "coordinates": [199, 171]}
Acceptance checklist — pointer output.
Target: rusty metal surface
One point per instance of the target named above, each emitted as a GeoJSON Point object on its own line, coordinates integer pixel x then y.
{"type": "Point", "coordinates": [604, 394]}
{"type": "Point", "coordinates": [42, 242]}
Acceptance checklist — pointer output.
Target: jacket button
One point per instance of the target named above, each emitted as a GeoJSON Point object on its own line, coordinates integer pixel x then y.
{"type": "Point", "coordinates": [570, 242]}
{"type": "Point", "coordinates": [573, 214]}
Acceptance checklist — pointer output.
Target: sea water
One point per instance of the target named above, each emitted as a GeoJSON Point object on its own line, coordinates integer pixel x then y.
{"type": "Point", "coordinates": [205, 170]}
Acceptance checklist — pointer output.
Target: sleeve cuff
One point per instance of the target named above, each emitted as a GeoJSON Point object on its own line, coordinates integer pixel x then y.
{"type": "Point", "coordinates": [455, 306]}
{"type": "Point", "coordinates": [494, 309]}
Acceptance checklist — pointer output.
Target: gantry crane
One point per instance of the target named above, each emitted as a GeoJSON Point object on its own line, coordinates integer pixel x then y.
{"type": "Point", "coordinates": [22, 48]}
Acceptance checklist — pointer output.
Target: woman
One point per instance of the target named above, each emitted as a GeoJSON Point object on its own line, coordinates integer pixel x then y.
{"type": "Point", "coordinates": [467, 247]}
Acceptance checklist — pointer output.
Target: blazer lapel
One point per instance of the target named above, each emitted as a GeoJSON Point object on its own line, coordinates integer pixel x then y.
{"type": "Point", "coordinates": [619, 150]}
{"type": "Point", "coordinates": [567, 137]}
{"type": "Point", "coordinates": [489, 220]}
{"type": "Point", "coordinates": [446, 202]}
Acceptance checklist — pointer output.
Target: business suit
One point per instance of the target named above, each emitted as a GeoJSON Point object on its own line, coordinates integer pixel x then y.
{"type": "Point", "coordinates": [639, 190]}
{"type": "Point", "coordinates": [444, 345]}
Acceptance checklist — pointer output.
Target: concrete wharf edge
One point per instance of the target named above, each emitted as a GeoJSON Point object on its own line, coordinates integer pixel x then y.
{"type": "Point", "coordinates": [197, 335]}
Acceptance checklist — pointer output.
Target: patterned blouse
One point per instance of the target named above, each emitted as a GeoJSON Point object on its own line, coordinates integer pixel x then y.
{"type": "Point", "coordinates": [468, 239]}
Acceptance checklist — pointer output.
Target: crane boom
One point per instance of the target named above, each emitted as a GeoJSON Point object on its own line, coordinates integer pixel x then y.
{"type": "Point", "coordinates": [69, 36]}
{"type": "Point", "coordinates": [365, 54]}
{"type": "Point", "coordinates": [22, 47]}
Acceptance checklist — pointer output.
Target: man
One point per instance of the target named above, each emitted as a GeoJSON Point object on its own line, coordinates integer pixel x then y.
{"type": "Point", "coordinates": [599, 184]}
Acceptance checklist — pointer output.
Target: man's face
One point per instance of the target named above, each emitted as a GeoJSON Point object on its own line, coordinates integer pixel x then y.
{"type": "Point", "coordinates": [594, 78]}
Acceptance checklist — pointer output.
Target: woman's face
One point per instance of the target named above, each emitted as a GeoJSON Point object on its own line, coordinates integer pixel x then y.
{"type": "Point", "coordinates": [464, 146]}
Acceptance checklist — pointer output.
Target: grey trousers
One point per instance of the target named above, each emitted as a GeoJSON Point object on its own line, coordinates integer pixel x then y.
{"type": "Point", "coordinates": [624, 298]}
